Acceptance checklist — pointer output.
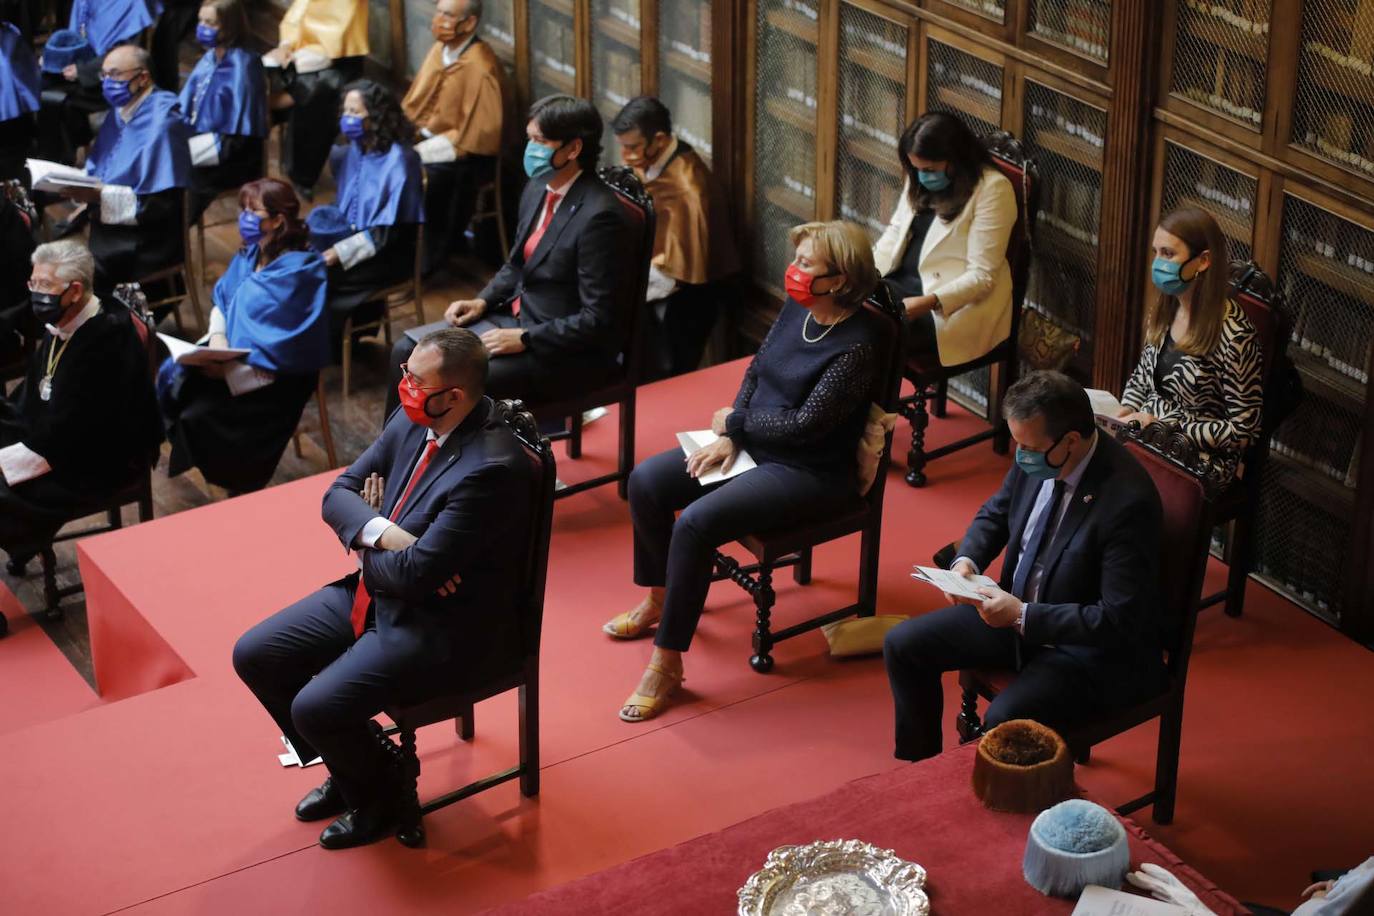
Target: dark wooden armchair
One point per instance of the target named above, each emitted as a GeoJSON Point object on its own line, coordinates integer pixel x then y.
{"type": "Point", "coordinates": [930, 378]}
{"type": "Point", "coordinates": [639, 210]}
{"type": "Point", "coordinates": [1188, 485]}
{"type": "Point", "coordinates": [517, 673]}
{"type": "Point", "coordinates": [773, 550]}
{"type": "Point", "coordinates": [1268, 311]}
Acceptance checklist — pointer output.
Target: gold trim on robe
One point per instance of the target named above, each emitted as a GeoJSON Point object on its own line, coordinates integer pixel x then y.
{"type": "Point", "coordinates": [462, 102]}
{"type": "Point", "coordinates": [691, 213]}
{"type": "Point", "coordinates": [337, 28]}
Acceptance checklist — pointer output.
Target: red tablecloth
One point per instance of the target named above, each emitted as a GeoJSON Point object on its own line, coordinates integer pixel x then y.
{"type": "Point", "coordinates": [926, 813]}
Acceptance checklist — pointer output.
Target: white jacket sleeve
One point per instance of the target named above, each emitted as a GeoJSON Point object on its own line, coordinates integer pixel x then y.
{"type": "Point", "coordinates": [889, 245]}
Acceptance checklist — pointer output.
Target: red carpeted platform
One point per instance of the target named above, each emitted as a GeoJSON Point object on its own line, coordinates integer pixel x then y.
{"type": "Point", "coordinates": [37, 683]}
{"type": "Point", "coordinates": [171, 800]}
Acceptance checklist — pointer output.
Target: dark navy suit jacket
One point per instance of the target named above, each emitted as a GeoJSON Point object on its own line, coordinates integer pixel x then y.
{"type": "Point", "coordinates": [470, 513]}
{"type": "Point", "coordinates": [1099, 589]}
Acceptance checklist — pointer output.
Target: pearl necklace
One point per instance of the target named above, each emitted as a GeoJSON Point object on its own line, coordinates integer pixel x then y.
{"type": "Point", "coordinates": [828, 327]}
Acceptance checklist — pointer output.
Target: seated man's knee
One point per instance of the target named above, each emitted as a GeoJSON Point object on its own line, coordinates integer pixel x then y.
{"type": "Point", "coordinates": [904, 645]}
{"type": "Point", "coordinates": [247, 655]}
{"type": "Point", "coordinates": [312, 712]}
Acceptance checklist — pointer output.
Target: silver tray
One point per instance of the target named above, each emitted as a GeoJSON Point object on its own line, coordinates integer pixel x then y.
{"type": "Point", "coordinates": [835, 878]}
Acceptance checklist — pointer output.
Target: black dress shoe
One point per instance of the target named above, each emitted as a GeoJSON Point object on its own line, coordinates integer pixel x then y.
{"type": "Point", "coordinates": [359, 826]}
{"type": "Point", "coordinates": [321, 802]}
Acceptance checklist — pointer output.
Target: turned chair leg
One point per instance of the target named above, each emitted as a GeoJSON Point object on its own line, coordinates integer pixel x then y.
{"type": "Point", "coordinates": [916, 457]}
{"type": "Point", "coordinates": [410, 831]}
{"type": "Point", "coordinates": [529, 737]}
{"type": "Point", "coordinates": [762, 659]}
{"type": "Point", "coordinates": [52, 599]}
{"type": "Point", "coordinates": [969, 724]}
{"type": "Point", "coordinates": [801, 572]}
{"type": "Point", "coordinates": [575, 435]}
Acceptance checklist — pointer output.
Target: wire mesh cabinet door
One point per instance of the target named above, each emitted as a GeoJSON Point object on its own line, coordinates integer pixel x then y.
{"type": "Point", "coordinates": [553, 48]}
{"type": "Point", "coordinates": [684, 70]}
{"type": "Point", "coordinates": [784, 131]}
{"type": "Point", "coordinates": [616, 77]}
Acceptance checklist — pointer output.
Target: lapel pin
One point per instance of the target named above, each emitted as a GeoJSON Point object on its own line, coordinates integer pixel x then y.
{"type": "Point", "coordinates": [1087, 498]}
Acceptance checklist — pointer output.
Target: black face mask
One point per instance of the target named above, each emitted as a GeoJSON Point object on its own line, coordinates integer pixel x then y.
{"type": "Point", "coordinates": [47, 307]}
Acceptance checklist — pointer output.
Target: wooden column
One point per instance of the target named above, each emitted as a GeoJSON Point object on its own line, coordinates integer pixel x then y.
{"type": "Point", "coordinates": [1122, 262]}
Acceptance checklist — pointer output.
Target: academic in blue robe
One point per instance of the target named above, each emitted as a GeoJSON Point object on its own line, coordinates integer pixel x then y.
{"type": "Point", "coordinates": [107, 23]}
{"type": "Point", "coordinates": [278, 313]}
{"type": "Point", "coordinates": [19, 80]}
{"type": "Point", "coordinates": [149, 153]}
{"type": "Point", "coordinates": [379, 188]}
{"type": "Point", "coordinates": [226, 96]}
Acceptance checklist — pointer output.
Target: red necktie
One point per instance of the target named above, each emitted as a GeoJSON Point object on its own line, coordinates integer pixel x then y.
{"type": "Point", "coordinates": [362, 597]}
{"type": "Point", "coordinates": [531, 243]}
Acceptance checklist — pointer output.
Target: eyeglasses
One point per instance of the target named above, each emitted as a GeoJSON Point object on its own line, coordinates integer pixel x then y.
{"type": "Point", "coordinates": [413, 382]}
{"type": "Point", "coordinates": [115, 74]}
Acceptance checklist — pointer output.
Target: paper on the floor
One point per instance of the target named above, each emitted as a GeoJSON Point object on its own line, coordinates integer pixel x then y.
{"type": "Point", "coordinates": [291, 758]}
{"type": "Point", "coordinates": [951, 583]}
{"type": "Point", "coordinates": [189, 354]}
{"type": "Point", "coordinates": [55, 177]}
{"type": "Point", "coordinates": [697, 439]}
{"type": "Point", "coordinates": [1104, 403]}
{"type": "Point", "coordinates": [1102, 901]}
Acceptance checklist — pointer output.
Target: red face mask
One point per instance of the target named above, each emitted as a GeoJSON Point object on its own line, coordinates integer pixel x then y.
{"type": "Point", "coordinates": [415, 402]}
{"type": "Point", "coordinates": [798, 283]}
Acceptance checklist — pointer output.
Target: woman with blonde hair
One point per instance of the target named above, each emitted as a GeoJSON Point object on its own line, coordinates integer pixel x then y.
{"type": "Point", "coordinates": [1200, 367]}
{"type": "Point", "coordinates": [799, 413]}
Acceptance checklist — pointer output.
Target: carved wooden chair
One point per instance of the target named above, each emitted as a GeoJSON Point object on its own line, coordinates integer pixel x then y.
{"type": "Point", "coordinates": [930, 378]}
{"type": "Point", "coordinates": [1188, 486]}
{"type": "Point", "coordinates": [516, 673]}
{"type": "Point", "coordinates": [639, 210]}
{"type": "Point", "coordinates": [774, 550]}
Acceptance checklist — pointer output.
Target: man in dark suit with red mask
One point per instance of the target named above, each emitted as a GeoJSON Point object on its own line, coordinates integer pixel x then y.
{"type": "Point", "coordinates": [438, 510]}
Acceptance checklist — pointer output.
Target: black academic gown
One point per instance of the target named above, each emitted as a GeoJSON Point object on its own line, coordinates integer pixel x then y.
{"type": "Point", "coordinates": [99, 430]}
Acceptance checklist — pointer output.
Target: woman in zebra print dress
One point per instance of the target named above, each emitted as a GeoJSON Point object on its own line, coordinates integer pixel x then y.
{"type": "Point", "coordinates": [1200, 368]}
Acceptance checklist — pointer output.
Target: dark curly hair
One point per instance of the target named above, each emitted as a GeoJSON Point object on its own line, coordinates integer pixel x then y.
{"type": "Point", "coordinates": [278, 199]}
{"type": "Point", "coordinates": [387, 122]}
{"type": "Point", "coordinates": [943, 137]}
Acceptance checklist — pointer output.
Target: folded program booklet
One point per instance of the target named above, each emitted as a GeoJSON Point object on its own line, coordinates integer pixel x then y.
{"type": "Point", "coordinates": [696, 440]}
{"type": "Point", "coordinates": [189, 354]}
{"type": "Point", "coordinates": [54, 177]}
{"type": "Point", "coordinates": [951, 583]}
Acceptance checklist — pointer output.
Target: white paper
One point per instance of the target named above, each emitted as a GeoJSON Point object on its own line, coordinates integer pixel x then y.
{"type": "Point", "coordinates": [1104, 403]}
{"type": "Point", "coordinates": [189, 354]}
{"type": "Point", "coordinates": [434, 150]}
{"type": "Point", "coordinates": [951, 583]}
{"type": "Point", "coordinates": [1101, 901]}
{"type": "Point", "coordinates": [204, 149]}
{"type": "Point", "coordinates": [55, 177]}
{"type": "Point", "coordinates": [291, 758]}
{"type": "Point", "coordinates": [696, 440]}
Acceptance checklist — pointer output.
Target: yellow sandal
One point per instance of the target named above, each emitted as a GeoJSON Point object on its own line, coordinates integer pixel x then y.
{"type": "Point", "coordinates": [651, 706]}
{"type": "Point", "coordinates": [624, 626]}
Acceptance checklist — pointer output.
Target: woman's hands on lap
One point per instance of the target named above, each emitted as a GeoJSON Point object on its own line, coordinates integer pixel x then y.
{"type": "Point", "coordinates": [720, 453]}
{"type": "Point", "coordinates": [718, 420]}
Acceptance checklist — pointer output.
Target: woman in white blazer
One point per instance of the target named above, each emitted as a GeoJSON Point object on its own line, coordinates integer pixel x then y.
{"type": "Point", "coordinates": [944, 253]}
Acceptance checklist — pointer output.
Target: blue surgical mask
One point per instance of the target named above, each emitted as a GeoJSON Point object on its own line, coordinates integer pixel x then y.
{"type": "Point", "coordinates": [932, 181]}
{"type": "Point", "coordinates": [351, 126]}
{"type": "Point", "coordinates": [250, 227]}
{"type": "Point", "coordinates": [116, 92]}
{"type": "Point", "coordinates": [538, 159]}
{"type": "Point", "coordinates": [1036, 465]}
{"type": "Point", "coordinates": [207, 35]}
{"type": "Point", "coordinates": [1168, 276]}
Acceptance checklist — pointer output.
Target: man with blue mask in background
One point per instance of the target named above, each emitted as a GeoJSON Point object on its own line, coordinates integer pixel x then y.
{"type": "Point", "coordinates": [549, 318]}
{"type": "Point", "coordinates": [142, 159]}
{"type": "Point", "coordinates": [1074, 610]}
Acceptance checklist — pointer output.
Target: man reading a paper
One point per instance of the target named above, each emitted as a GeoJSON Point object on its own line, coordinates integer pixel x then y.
{"type": "Point", "coordinates": [1074, 610]}
{"type": "Point", "coordinates": [799, 413]}
{"type": "Point", "coordinates": [142, 160]}
{"type": "Point", "coordinates": [83, 424]}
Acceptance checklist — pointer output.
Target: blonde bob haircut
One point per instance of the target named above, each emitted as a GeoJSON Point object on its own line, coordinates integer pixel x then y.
{"type": "Point", "coordinates": [845, 246]}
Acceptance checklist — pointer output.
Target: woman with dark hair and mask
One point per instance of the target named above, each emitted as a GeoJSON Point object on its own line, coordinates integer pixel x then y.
{"type": "Point", "coordinates": [944, 253]}
{"type": "Point", "coordinates": [368, 235]}
{"type": "Point", "coordinates": [225, 102]}
{"type": "Point", "coordinates": [1200, 367]}
{"type": "Point", "coordinates": [233, 420]}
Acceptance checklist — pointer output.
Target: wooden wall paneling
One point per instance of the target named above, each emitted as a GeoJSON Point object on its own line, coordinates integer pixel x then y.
{"type": "Point", "coordinates": [1125, 163]}
{"type": "Point", "coordinates": [648, 47]}
{"type": "Point", "coordinates": [732, 102]}
{"type": "Point", "coordinates": [827, 107]}
{"type": "Point", "coordinates": [522, 56]}
{"type": "Point", "coordinates": [744, 160]}
{"type": "Point", "coordinates": [398, 42]}
{"type": "Point", "coordinates": [1268, 221]}
{"type": "Point", "coordinates": [1357, 617]}
{"type": "Point", "coordinates": [582, 25]}
{"type": "Point", "coordinates": [915, 74]}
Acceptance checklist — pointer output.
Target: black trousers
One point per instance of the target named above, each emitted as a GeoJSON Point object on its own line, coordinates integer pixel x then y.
{"type": "Point", "coordinates": [450, 197]}
{"type": "Point", "coordinates": [679, 327]}
{"type": "Point", "coordinates": [178, 20]}
{"type": "Point", "coordinates": [515, 375]}
{"type": "Point", "coordinates": [679, 553]}
{"type": "Point", "coordinates": [33, 512]}
{"type": "Point", "coordinates": [314, 119]}
{"type": "Point", "coordinates": [1052, 687]}
{"type": "Point", "coordinates": [323, 687]}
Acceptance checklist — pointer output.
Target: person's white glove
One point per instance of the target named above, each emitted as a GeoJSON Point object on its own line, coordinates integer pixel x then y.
{"type": "Point", "coordinates": [1162, 885]}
